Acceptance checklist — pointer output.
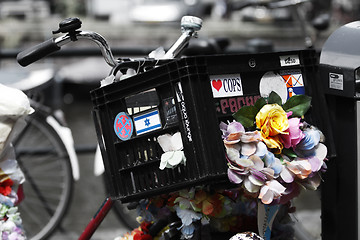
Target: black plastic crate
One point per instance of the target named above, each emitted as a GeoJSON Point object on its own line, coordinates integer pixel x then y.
{"type": "Point", "coordinates": [181, 95]}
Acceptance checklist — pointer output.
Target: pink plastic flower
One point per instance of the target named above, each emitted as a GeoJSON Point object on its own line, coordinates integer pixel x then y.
{"type": "Point", "coordinates": [295, 134]}
{"type": "Point", "coordinates": [251, 171]}
{"type": "Point", "coordinates": [231, 133]}
{"type": "Point", "coordinates": [299, 168]}
{"type": "Point", "coordinates": [270, 191]}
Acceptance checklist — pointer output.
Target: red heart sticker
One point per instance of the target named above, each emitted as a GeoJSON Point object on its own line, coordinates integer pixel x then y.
{"type": "Point", "coordinates": [217, 84]}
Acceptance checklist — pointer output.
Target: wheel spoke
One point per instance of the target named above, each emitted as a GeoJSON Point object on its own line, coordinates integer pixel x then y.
{"type": "Point", "coordinates": [46, 166]}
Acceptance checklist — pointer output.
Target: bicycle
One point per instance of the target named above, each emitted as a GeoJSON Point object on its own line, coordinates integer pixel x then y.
{"type": "Point", "coordinates": [71, 27]}
{"type": "Point", "coordinates": [45, 153]}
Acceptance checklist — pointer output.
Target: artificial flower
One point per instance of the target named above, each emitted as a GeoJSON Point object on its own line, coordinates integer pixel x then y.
{"type": "Point", "coordinates": [289, 151]}
{"type": "Point", "coordinates": [9, 168]}
{"type": "Point", "coordinates": [208, 204]}
{"type": "Point", "coordinates": [272, 121]}
{"type": "Point", "coordinates": [172, 146]}
{"type": "Point", "coordinates": [295, 134]}
{"type": "Point", "coordinates": [184, 198]}
{"type": "Point", "coordinates": [270, 191]}
{"type": "Point", "coordinates": [187, 217]}
{"type": "Point", "coordinates": [308, 144]}
{"type": "Point", "coordinates": [231, 133]}
{"type": "Point", "coordinates": [273, 162]}
{"type": "Point", "coordinates": [6, 186]}
{"type": "Point", "coordinates": [10, 223]}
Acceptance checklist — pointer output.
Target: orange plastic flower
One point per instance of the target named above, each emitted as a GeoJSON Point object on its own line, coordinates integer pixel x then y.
{"type": "Point", "coordinates": [210, 204]}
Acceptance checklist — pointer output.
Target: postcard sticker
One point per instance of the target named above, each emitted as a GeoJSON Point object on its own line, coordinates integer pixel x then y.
{"type": "Point", "coordinates": [123, 126]}
{"type": "Point", "coordinates": [228, 85]}
{"type": "Point", "coordinates": [294, 82]}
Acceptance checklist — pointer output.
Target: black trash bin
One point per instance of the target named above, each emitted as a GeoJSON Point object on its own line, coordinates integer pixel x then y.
{"type": "Point", "coordinates": [340, 73]}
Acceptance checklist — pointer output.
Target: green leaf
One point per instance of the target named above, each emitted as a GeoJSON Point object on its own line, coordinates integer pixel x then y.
{"type": "Point", "coordinates": [289, 152]}
{"type": "Point", "coordinates": [260, 103]}
{"type": "Point", "coordinates": [298, 104]}
{"type": "Point", "coordinates": [246, 116]}
{"type": "Point", "coordinates": [274, 98]}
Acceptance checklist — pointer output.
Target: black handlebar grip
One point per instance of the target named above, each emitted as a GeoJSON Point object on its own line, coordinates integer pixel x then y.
{"type": "Point", "coordinates": [37, 52]}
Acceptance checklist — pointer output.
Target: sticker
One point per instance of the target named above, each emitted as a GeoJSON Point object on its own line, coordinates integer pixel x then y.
{"type": "Point", "coordinates": [227, 106]}
{"type": "Point", "coordinates": [170, 111]}
{"type": "Point", "coordinates": [336, 81]}
{"type": "Point", "coordinates": [123, 126]}
{"type": "Point", "coordinates": [147, 122]}
{"type": "Point", "coordinates": [289, 60]}
{"type": "Point", "coordinates": [294, 82]}
{"type": "Point", "coordinates": [228, 85]}
{"type": "Point", "coordinates": [184, 116]}
{"type": "Point", "coordinates": [273, 82]}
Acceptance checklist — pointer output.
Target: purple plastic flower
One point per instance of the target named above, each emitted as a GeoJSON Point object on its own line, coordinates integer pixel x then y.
{"type": "Point", "coordinates": [231, 132]}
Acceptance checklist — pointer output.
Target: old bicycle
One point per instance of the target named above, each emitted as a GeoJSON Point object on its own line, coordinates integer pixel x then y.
{"type": "Point", "coordinates": [140, 65]}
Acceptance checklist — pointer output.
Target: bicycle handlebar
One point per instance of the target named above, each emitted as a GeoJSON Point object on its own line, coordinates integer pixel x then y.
{"type": "Point", "coordinates": [43, 49]}
{"type": "Point", "coordinates": [37, 52]}
{"type": "Point", "coordinates": [189, 26]}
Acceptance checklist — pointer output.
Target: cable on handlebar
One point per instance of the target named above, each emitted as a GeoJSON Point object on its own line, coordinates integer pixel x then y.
{"type": "Point", "coordinates": [139, 65]}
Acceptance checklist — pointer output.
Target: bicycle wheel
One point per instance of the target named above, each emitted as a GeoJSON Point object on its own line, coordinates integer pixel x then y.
{"type": "Point", "coordinates": [126, 216]}
{"type": "Point", "coordinates": [48, 187]}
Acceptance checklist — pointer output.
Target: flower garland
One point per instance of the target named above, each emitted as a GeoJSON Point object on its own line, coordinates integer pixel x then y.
{"type": "Point", "coordinates": [10, 179]}
{"type": "Point", "coordinates": [14, 105]}
{"type": "Point", "coordinates": [271, 151]}
{"type": "Point", "coordinates": [140, 233]}
{"type": "Point", "coordinates": [272, 154]}
{"type": "Point", "coordinates": [222, 210]}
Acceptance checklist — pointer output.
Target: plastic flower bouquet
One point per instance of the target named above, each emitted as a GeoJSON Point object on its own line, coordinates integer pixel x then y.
{"type": "Point", "coordinates": [271, 151]}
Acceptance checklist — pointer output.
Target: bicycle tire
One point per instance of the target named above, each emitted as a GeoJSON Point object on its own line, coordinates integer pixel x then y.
{"type": "Point", "coordinates": [43, 158]}
{"type": "Point", "coordinates": [126, 216]}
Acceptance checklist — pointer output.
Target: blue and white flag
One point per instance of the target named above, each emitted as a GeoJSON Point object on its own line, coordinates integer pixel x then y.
{"type": "Point", "coordinates": [147, 122]}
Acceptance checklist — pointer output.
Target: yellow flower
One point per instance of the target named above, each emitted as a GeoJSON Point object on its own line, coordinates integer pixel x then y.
{"type": "Point", "coordinates": [272, 121]}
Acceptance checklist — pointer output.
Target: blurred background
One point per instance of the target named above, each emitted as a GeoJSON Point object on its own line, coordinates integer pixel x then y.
{"type": "Point", "coordinates": [128, 22]}
{"type": "Point", "coordinates": [134, 28]}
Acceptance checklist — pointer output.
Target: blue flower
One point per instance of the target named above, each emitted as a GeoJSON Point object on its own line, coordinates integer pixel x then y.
{"type": "Point", "coordinates": [274, 163]}
{"type": "Point", "coordinates": [306, 146]}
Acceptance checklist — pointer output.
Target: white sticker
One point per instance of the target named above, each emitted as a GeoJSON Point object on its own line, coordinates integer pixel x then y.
{"type": "Point", "coordinates": [289, 60]}
{"type": "Point", "coordinates": [273, 82]}
{"type": "Point", "coordinates": [227, 85]}
{"type": "Point", "coordinates": [336, 81]}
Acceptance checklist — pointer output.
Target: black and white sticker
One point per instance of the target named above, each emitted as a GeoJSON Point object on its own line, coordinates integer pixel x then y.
{"type": "Point", "coordinates": [289, 60]}
{"type": "Point", "coordinates": [184, 115]}
{"type": "Point", "coordinates": [336, 81]}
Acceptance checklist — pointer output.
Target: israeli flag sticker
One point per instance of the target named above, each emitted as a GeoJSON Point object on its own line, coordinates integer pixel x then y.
{"type": "Point", "coordinates": [147, 122]}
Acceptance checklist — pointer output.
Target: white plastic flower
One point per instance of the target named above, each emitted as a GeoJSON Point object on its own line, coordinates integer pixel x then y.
{"type": "Point", "coordinates": [172, 146]}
